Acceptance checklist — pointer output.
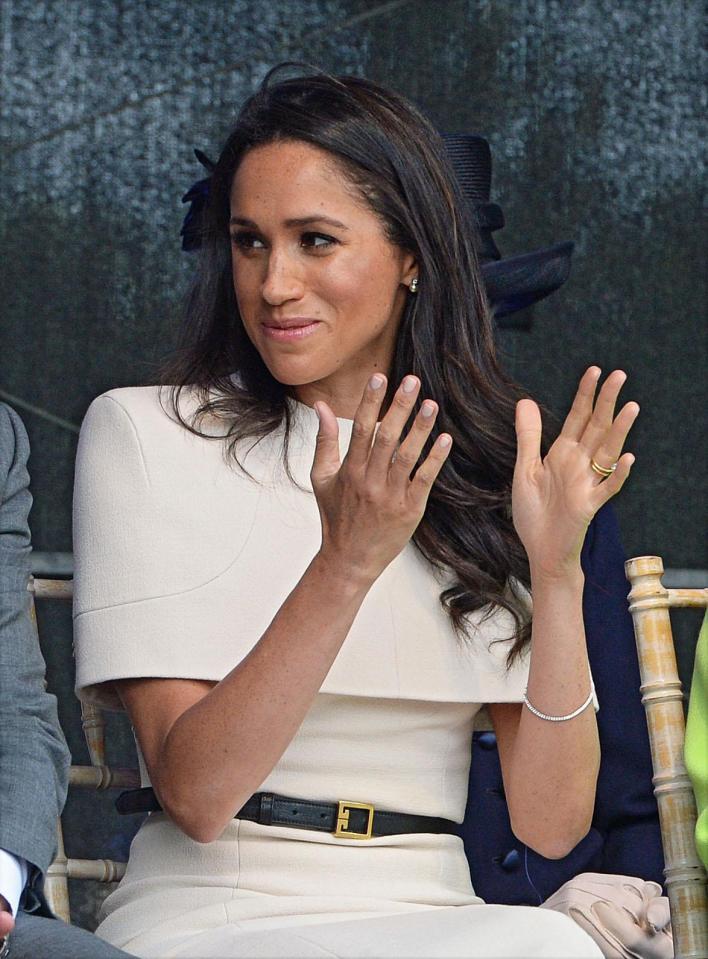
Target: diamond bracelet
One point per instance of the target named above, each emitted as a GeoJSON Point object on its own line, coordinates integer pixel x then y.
{"type": "Point", "coordinates": [560, 719]}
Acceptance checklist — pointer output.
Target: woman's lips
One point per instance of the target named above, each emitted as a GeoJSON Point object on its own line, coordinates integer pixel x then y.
{"type": "Point", "coordinates": [291, 332]}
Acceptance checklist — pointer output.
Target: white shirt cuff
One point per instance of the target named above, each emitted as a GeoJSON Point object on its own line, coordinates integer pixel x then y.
{"type": "Point", "coordinates": [13, 878]}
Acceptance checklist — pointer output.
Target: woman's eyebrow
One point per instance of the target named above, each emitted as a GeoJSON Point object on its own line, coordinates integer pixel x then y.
{"type": "Point", "coordinates": [294, 221]}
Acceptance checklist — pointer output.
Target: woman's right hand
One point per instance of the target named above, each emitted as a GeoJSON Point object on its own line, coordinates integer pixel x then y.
{"type": "Point", "coordinates": [369, 504]}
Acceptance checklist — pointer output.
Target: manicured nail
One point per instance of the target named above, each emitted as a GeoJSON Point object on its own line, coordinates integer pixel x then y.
{"type": "Point", "coordinates": [444, 441]}
{"type": "Point", "coordinates": [376, 381]}
{"type": "Point", "coordinates": [409, 384]}
{"type": "Point", "coordinates": [427, 409]}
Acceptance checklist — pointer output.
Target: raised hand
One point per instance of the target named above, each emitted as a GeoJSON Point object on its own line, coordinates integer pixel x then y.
{"type": "Point", "coordinates": [554, 499]}
{"type": "Point", "coordinates": [369, 504]}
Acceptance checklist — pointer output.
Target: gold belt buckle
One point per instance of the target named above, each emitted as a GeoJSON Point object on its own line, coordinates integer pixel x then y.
{"type": "Point", "coordinates": [342, 830]}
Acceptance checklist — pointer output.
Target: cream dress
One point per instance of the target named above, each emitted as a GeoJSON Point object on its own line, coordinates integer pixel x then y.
{"type": "Point", "coordinates": [181, 563]}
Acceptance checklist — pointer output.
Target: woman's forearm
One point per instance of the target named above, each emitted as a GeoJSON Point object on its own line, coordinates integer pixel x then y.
{"type": "Point", "coordinates": [210, 748]}
{"type": "Point", "coordinates": [554, 765]}
{"type": "Point", "coordinates": [219, 751]}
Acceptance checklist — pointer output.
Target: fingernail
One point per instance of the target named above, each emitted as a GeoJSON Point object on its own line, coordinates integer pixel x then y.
{"type": "Point", "coordinates": [427, 409]}
{"type": "Point", "coordinates": [409, 384]}
{"type": "Point", "coordinates": [444, 441]}
{"type": "Point", "coordinates": [376, 381]}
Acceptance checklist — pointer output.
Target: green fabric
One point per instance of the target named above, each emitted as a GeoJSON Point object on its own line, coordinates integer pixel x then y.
{"type": "Point", "coordinates": [697, 740]}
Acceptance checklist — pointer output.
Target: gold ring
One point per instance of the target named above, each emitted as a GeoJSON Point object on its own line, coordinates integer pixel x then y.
{"type": "Point", "coordinates": [604, 471]}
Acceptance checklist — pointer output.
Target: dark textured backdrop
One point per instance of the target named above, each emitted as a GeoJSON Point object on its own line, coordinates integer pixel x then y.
{"type": "Point", "coordinates": [593, 110]}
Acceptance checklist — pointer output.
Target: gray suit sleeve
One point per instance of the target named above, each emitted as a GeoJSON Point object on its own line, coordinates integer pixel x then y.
{"type": "Point", "coordinates": [34, 758]}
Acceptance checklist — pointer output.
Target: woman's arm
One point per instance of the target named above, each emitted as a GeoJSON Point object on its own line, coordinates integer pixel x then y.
{"type": "Point", "coordinates": [208, 747]}
{"type": "Point", "coordinates": [550, 768]}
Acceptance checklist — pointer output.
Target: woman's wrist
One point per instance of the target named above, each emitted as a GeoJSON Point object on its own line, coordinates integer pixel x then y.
{"type": "Point", "coordinates": [569, 577]}
{"type": "Point", "coordinates": [343, 577]}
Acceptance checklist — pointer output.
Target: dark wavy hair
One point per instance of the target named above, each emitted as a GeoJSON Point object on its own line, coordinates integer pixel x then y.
{"type": "Point", "coordinates": [396, 160]}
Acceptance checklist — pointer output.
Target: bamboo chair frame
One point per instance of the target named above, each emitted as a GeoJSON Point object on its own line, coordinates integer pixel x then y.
{"type": "Point", "coordinates": [662, 696]}
{"type": "Point", "coordinates": [96, 776]}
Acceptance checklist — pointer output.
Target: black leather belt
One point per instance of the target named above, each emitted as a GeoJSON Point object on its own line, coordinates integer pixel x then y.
{"type": "Point", "coordinates": [346, 820]}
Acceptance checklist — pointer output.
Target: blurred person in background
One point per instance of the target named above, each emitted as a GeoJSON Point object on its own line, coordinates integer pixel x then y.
{"type": "Point", "coordinates": [34, 758]}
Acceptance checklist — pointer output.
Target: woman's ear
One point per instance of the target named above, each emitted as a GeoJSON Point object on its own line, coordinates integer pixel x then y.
{"type": "Point", "coordinates": [409, 269]}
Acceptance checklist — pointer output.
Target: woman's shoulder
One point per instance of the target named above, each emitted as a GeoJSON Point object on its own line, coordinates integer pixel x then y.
{"type": "Point", "coordinates": [166, 437]}
{"type": "Point", "coordinates": [156, 416]}
{"type": "Point", "coordinates": [133, 433]}
{"type": "Point", "coordinates": [158, 513]}
{"type": "Point", "coordinates": [147, 405]}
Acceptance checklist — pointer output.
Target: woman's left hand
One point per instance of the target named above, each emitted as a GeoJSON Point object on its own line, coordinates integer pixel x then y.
{"type": "Point", "coordinates": [554, 499]}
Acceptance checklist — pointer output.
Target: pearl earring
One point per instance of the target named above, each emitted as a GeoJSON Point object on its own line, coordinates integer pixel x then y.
{"type": "Point", "coordinates": [414, 285]}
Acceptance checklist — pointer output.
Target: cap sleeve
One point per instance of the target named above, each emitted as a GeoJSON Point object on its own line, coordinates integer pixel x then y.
{"type": "Point", "coordinates": [157, 521]}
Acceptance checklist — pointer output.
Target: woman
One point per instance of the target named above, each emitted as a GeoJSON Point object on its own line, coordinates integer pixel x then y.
{"type": "Point", "coordinates": [293, 596]}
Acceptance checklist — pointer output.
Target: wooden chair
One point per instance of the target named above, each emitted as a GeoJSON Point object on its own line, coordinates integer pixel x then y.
{"type": "Point", "coordinates": [649, 604]}
{"type": "Point", "coordinates": [96, 776]}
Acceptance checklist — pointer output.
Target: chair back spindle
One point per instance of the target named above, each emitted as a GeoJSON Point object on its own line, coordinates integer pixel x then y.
{"type": "Point", "coordinates": [649, 604]}
{"type": "Point", "coordinates": [96, 776]}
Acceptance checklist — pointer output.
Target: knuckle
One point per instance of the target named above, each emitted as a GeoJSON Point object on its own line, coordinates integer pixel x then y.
{"type": "Point", "coordinates": [360, 429]}
{"type": "Point", "coordinates": [402, 401]}
{"type": "Point", "coordinates": [424, 477]}
{"type": "Point", "coordinates": [370, 496]}
{"type": "Point", "coordinates": [406, 459]}
{"type": "Point", "coordinates": [385, 437]}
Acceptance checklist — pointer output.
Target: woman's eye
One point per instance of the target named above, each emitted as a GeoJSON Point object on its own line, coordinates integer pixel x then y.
{"type": "Point", "coordinates": [251, 242]}
{"type": "Point", "coordinates": [246, 241]}
{"type": "Point", "coordinates": [317, 241]}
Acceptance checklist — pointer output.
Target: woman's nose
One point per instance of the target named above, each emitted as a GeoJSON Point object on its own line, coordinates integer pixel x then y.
{"type": "Point", "coordinates": [283, 280]}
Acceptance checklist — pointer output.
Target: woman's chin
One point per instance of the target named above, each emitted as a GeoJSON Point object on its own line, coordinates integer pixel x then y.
{"type": "Point", "coordinates": [295, 371]}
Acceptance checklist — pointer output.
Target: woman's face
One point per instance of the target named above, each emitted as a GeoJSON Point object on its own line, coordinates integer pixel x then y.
{"type": "Point", "coordinates": [319, 287]}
